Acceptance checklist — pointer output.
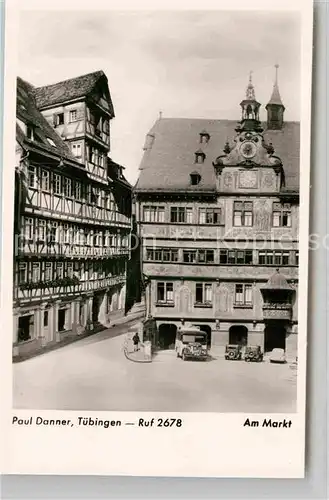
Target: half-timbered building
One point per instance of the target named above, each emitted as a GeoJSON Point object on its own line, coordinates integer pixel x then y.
{"type": "Point", "coordinates": [217, 207]}
{"type": "Point", "coordinates": [72, 213]}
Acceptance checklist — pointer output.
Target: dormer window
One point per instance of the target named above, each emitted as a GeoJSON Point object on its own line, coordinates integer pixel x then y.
{"type": "Point", "coordinates": [195, 178]}
{"type": "Point", "coordinates": [204, 137]}
{"type": "Point", "coordinates": [199, 156]}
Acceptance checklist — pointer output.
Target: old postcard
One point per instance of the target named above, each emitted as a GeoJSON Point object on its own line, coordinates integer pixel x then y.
{"type": "Point", "coordinates": [154, 259]}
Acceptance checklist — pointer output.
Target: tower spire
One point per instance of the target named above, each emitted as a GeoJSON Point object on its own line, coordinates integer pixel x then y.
{"type": "Point", "coordinates": [275, 107]}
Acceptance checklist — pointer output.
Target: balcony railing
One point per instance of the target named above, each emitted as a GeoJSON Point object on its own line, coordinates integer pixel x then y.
{"type": "Point", "coordinates": [277, 310]}
{"type": "Point", "coordinates": [28, 291]}
{"type": "Point", "coordinates": [70, 250]}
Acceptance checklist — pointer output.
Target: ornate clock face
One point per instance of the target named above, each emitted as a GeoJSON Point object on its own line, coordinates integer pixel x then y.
{"type": "Point", "coordinates": [248, 149]}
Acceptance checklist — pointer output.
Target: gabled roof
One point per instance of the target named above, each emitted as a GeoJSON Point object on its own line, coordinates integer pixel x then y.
{"type": "Point", "coordinates": [168, 163]}
{"type": "Point", "coordinates": [71, 89]}
{"type": "Point", "coordinates": [28, 113]}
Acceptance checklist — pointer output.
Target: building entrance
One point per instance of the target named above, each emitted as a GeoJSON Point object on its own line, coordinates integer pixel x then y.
{"type": "Point", "coordinates": [238, 335]}
{"type": "Point", "coordinates": [274, 336]}
{"type": "Point", "coordinates": [25, 327]}
{"type": "Point", "coordinates": [61, 320]}
{"type": "Point", "coordinates": [167, 336]}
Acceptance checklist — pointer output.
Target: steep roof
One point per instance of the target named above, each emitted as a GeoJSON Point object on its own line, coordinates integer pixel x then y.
{"type": "Point", "coordinates": [168, 162]}
{"type": "Point", "coordinates": [64, 91]}
{"type": "Point", "coordinates": [275, 97]}
{"type": "Point", "coordinates": [45, 136]}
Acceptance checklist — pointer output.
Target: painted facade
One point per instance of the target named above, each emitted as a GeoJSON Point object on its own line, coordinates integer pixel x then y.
{"type": "Point", "coordinates": [219, 229]}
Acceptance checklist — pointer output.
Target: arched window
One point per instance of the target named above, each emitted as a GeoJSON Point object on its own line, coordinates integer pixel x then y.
{"type": "Point", "coordinates": [200, 156]}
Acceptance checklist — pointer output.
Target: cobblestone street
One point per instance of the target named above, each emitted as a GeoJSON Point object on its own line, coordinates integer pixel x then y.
{"type": "Point", "coordinates": [93, 374]}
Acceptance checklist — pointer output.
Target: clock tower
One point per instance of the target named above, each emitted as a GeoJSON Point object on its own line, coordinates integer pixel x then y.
{"type": "Point", "coordinates": [250, 160]}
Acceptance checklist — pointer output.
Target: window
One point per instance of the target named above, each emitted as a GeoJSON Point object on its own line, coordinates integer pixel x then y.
{"type": "Point", "coordinates": [22, 273]}
{"type": "Point", "coordinates": [78, 191]}
{"type": "Point", "coordinates": [273, 258]}
{"type": "Point", "coordinates": [281, 216]}
{"type": "Point", "coordinates": [30, 132]}
{"type": "Point", "coordinates": [161, 255]}
{"type": "Point", "coordinates": [203, 293]}
{"type": "Point", "coordinates": [52, 232]}
{"type": "Point", "coordinates": [235, 257]}
{"type": "Point", "coordinates": [67, 187]}
{"type": "Point", "coordinates": [73, 115]}
{"type": "Point", "coordinates": [77, 149]}
{"type": "Point", "coordinates": [45, 318]}
{"type": "Point", "coordinates": [35, 272]}
{"type": "Point", "coordinates": [153, 214]}
{"type": "Point", "coordinates": [69, 269]}
{"type": "Point", "coordinates": [45, 180]}
{"type": "Point", "coordinates": [204, 137]}
{"type": "Point", "coordinates": [32, 177]}
{"type": "Point", "coordinates": [195, 179]}
{"type": "Point", "coordinates": [57, 184]}
{"type": "Point", "coordinates": [181, 214]}
{"type": "Point", "coordinates": [66, 233]}
{"type": "Point", "coordinates": [106, 127]}
{"type": "Point", "coordinates": [297, 258]}
{"type": "Point", "coordinates": [42, 230]}
{"type": "Point", "coordinates": [209, 216]}
{"type": "Point", "coordinates": [206, 256]}
{"type": "Point", "coordinates": [165, 293]}
{"type": "Point", "coordinates": [242, 215]}
{"type": "Point", "coordinates": [48, 271]}
{"type": "Point", "coordinates": [199, 157]}
{"type": "Point", "coordinates": [243, 295]}
{"type": "Point", "coordinates": [58, 119]}
{"type": "Point", "coordinates": [28, 228]}
{"type": "Point", "coordinates": [189, 256]}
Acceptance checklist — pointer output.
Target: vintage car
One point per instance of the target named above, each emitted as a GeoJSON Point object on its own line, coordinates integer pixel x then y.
{"type": "Point", "coordinates": [253, 353]}
{"type": "Point", "coordinates": [278, 356]}
{"type": "Point", "coordinates": [191, 343]}
{"type": "Point", "coordinates": [233, 351]}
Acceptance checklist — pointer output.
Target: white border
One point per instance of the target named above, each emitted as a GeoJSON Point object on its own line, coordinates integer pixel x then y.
{"type": "Point", "coordinates": [226, 449]}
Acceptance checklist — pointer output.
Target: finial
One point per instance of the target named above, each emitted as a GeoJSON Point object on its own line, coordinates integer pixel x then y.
{"type": "Point", "coordinates": [160, 115]}
{"type": "Point", "coordinates": [250, 93]}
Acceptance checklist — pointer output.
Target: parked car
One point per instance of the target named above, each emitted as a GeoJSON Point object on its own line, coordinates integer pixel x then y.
{"type": "Point", "coordinates": [253, 353]}
{"type": "Point", "coordinates": [191, 343]}
{"type": "Point", "coordinates": [232, 352]}
{"type": "Point", "coordinates": [278, 356]}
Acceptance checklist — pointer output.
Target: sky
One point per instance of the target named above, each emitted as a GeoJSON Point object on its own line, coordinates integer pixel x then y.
{"type": "Point", "coordinates": [192, 64]}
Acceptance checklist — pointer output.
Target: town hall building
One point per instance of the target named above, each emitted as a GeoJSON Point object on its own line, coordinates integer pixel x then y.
{"type": "Point", "coordinates": [217, 205]}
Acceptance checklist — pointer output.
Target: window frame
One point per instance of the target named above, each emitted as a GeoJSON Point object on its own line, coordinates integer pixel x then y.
{"type": "Point", "coordinates": [235, 251]}
{"type": "Point", "coordinates": [281, 210]}
{"type": "Point", "coordinates": [244, 302]}
{"type": "Point", "coordinates": [243, 211]}
{"type": "Point", "coordinates": [205, 288]}
{"type": "Point", "coordinates": [165, 301]}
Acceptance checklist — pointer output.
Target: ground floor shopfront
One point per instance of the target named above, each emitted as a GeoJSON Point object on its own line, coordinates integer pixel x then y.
{"type": "Point", "coordinates": [267, 334]}
{"type": "Point", "coordinates": [40, 324]}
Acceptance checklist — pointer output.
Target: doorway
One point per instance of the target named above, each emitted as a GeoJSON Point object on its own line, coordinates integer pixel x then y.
{"type": "Point", "coordinates": [167, 336]}
{"type": "Point", "coordinates": [25, 328]}
{"type": "Point", "coordinates": [238, 335]}
{"type": "Point", "coordinates": [61, 320]}
{"type": "Point", "coordinates": [274, 336]}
